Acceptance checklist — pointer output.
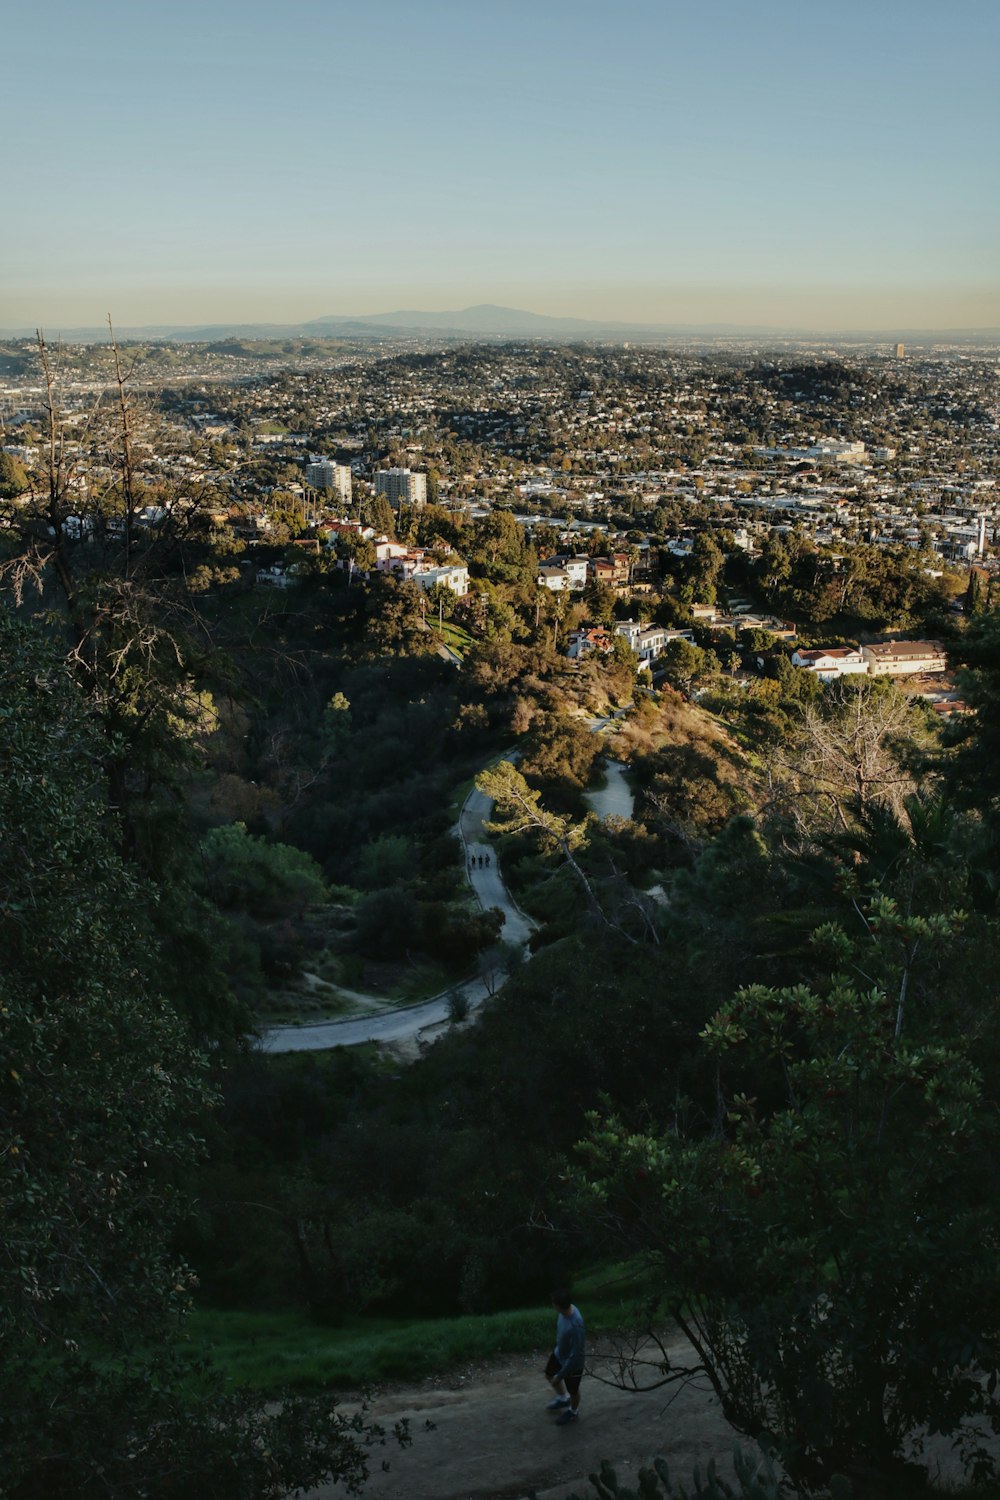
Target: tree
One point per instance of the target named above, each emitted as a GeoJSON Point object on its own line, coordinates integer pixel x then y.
{"type": "Point", "coordinates": [395, 618]}
{"type": "Point", "coordinates": [684, 663]}
{"type": "Point", "coordinates": [100, 1101]}
{"type": "Point", "coordinates": [600, 601]}
{"type": "Point", "coordinates": [129, 634]}
{"type": "Point", "coordinates": [378, 513]}
{"type": "Point", "coordinates": [244, 873]}
{"type": "Point", "coordinates": [977, 593]}
{"type": "Point", "coordinates": [358, 551]}
{"type": "Point", "coordinates": [702, 570]}
{"type": "Point", "coordinates": [623, 656]}
{"type": "Point", "coordinates": [336, 726]}
{"type": "Point", "coordinates": [852, 747]}
{"type": "Point", "coordinates": [828, 1248]}
{"type": "Point", "coordinates": [14, 480]}
{"type": "Point", "coordinates": [498, 550]}
{"type": "Point", "coordinates": [686, 797]}
{"type": "Point", "coordinates": [521, 812]}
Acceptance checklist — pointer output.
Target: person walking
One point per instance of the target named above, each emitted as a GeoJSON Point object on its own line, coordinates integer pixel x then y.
{"type": "Point", "coordinates": [564, 1370]}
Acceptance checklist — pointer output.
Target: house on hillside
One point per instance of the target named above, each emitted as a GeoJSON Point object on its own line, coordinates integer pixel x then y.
{"type": "Point", "coordinates": [454, 576]}
{"type": "Point", "coordinates": [403, 563]}
{"type": "Point", "coordinates": [387, 554]}
{"type": "Point", "coordinates": [649, 641]}
{"type": "Point", "coordinates": [904, 658]}
{"type": "Point", "coordinates": [830, 662]}
{"type": "Point", "coordinates": [602, 571]}
{"type": "Point", "coordinates": [594, 641]}
{"type": "Point", "coordinates": [573, 568]}
{"type": "Point", "coordinates": [554, 578]}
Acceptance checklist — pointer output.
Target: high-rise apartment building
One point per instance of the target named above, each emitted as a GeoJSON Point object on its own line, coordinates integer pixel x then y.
{"type": "Point", "coordinates": [323, 474]}
{"type": "Point", "coordinates": [401, 487]}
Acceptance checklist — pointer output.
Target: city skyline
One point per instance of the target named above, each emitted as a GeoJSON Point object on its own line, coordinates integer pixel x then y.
{"type": "Point", "coordinates": [668, 164]}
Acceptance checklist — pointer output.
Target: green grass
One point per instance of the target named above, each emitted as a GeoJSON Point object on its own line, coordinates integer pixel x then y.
{"type": "Point", "coordinates": [454, 636]}
{"type": "Point", "coordinates": [265, 1351]}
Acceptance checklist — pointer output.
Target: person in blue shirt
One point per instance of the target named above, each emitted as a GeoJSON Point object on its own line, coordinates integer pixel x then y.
{"type": "Point", "coordinates": [564, 1370]}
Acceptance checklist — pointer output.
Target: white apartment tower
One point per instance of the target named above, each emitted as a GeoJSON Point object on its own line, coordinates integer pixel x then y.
{"type": "Point", "coordinates": [323, 474]}
{"type": "Point", "coordinates": [401, 487]}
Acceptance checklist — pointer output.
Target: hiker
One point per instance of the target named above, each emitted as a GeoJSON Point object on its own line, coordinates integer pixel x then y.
{"type": "Point", "coordinates": [487, 861]}
{"type": "Point", "coordinates": [566, 1362]}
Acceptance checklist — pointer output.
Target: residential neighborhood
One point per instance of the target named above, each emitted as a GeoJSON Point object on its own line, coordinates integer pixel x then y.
{"type": "Point", "coordinates": [729, 497]}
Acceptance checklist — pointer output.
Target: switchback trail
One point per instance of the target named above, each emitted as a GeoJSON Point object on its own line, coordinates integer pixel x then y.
{"type": "Point", "coordinates": [403, 1023]}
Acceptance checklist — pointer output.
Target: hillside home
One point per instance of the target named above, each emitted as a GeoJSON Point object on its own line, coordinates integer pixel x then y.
{"type": "Point", "coordinates": [454, 576]}
{"type": "Point", "coordinates": [387, 552]}
{"type": "Point", "coordinates": [903, 658]}
{"type": "Point", "coordinates": [831, 662]}
{"type": "Point", "coordinates": [593, 641]}
{"type": "Point", "coordinates": [575, 569]}
{"type": "Point", "coordinates": [649, 641]}
{"type": "Point", "coordinates": [554, 578]}
{"type": "Point", "coordinates": [602, 571]}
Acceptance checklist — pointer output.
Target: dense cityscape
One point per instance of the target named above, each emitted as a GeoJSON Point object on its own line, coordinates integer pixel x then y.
{"type": "Point", "coordinates": [648, 462]}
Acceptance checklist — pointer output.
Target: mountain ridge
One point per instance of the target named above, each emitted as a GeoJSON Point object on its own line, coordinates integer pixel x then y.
{"type": "Point", "coordinates": [488, 320]}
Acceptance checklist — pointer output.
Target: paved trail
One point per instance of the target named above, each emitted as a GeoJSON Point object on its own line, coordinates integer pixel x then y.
{"type": "Point", "coordinates": [402, 1023]}
{"type": "Point", "coordinates": [615, 799]}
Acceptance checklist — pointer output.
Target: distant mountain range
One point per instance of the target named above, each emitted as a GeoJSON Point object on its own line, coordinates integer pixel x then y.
{"type": "Point", "coordinates": [487, 321]}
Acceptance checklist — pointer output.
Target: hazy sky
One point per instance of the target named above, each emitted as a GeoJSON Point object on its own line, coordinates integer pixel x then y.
{"type": "Point", "coordinates": [810, 163]}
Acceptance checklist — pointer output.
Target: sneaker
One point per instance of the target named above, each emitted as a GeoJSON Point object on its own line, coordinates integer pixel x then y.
{"type": "Point", "coordinates": [569, 1415]}
{"type": "Point", "coordinates": [557, 1403]}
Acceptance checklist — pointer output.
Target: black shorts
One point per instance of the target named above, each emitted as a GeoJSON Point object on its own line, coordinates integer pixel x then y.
{"type": "Point", "coordinates": [571, 1382]}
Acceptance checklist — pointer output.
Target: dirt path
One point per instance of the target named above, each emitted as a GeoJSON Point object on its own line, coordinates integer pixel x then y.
{"type": "Point", "coordinates": [493, 1440]}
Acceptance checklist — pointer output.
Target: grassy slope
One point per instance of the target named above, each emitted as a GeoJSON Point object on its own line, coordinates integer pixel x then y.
{"type": "Point", "coordinates": [264, 1351]}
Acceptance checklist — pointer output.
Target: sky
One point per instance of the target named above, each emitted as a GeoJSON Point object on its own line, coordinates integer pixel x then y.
{"type": "Point", "coordinates": [811, 164]}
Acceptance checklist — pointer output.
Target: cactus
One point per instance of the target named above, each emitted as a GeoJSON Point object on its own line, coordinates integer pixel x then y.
{"type": "Point", "coordinates": [755, 1480]}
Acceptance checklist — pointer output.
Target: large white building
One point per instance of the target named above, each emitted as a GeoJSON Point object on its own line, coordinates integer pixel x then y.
{"type": "Point", "coordinates": [649, 641]}
{"type": "Point", "coordinates": [324, 474]}
{"type": "Point", "coordinates": [454, 576]}
{"type": "Point", "coordinates": [401, 487]}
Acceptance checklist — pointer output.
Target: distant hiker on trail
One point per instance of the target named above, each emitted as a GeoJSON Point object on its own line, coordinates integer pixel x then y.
{"type": "Point", "coordinates": [480, 861]}
{"type": "Point", "coordinates": [487, 861]}
{"type": "Point", "coordinates": [566, 1362]}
